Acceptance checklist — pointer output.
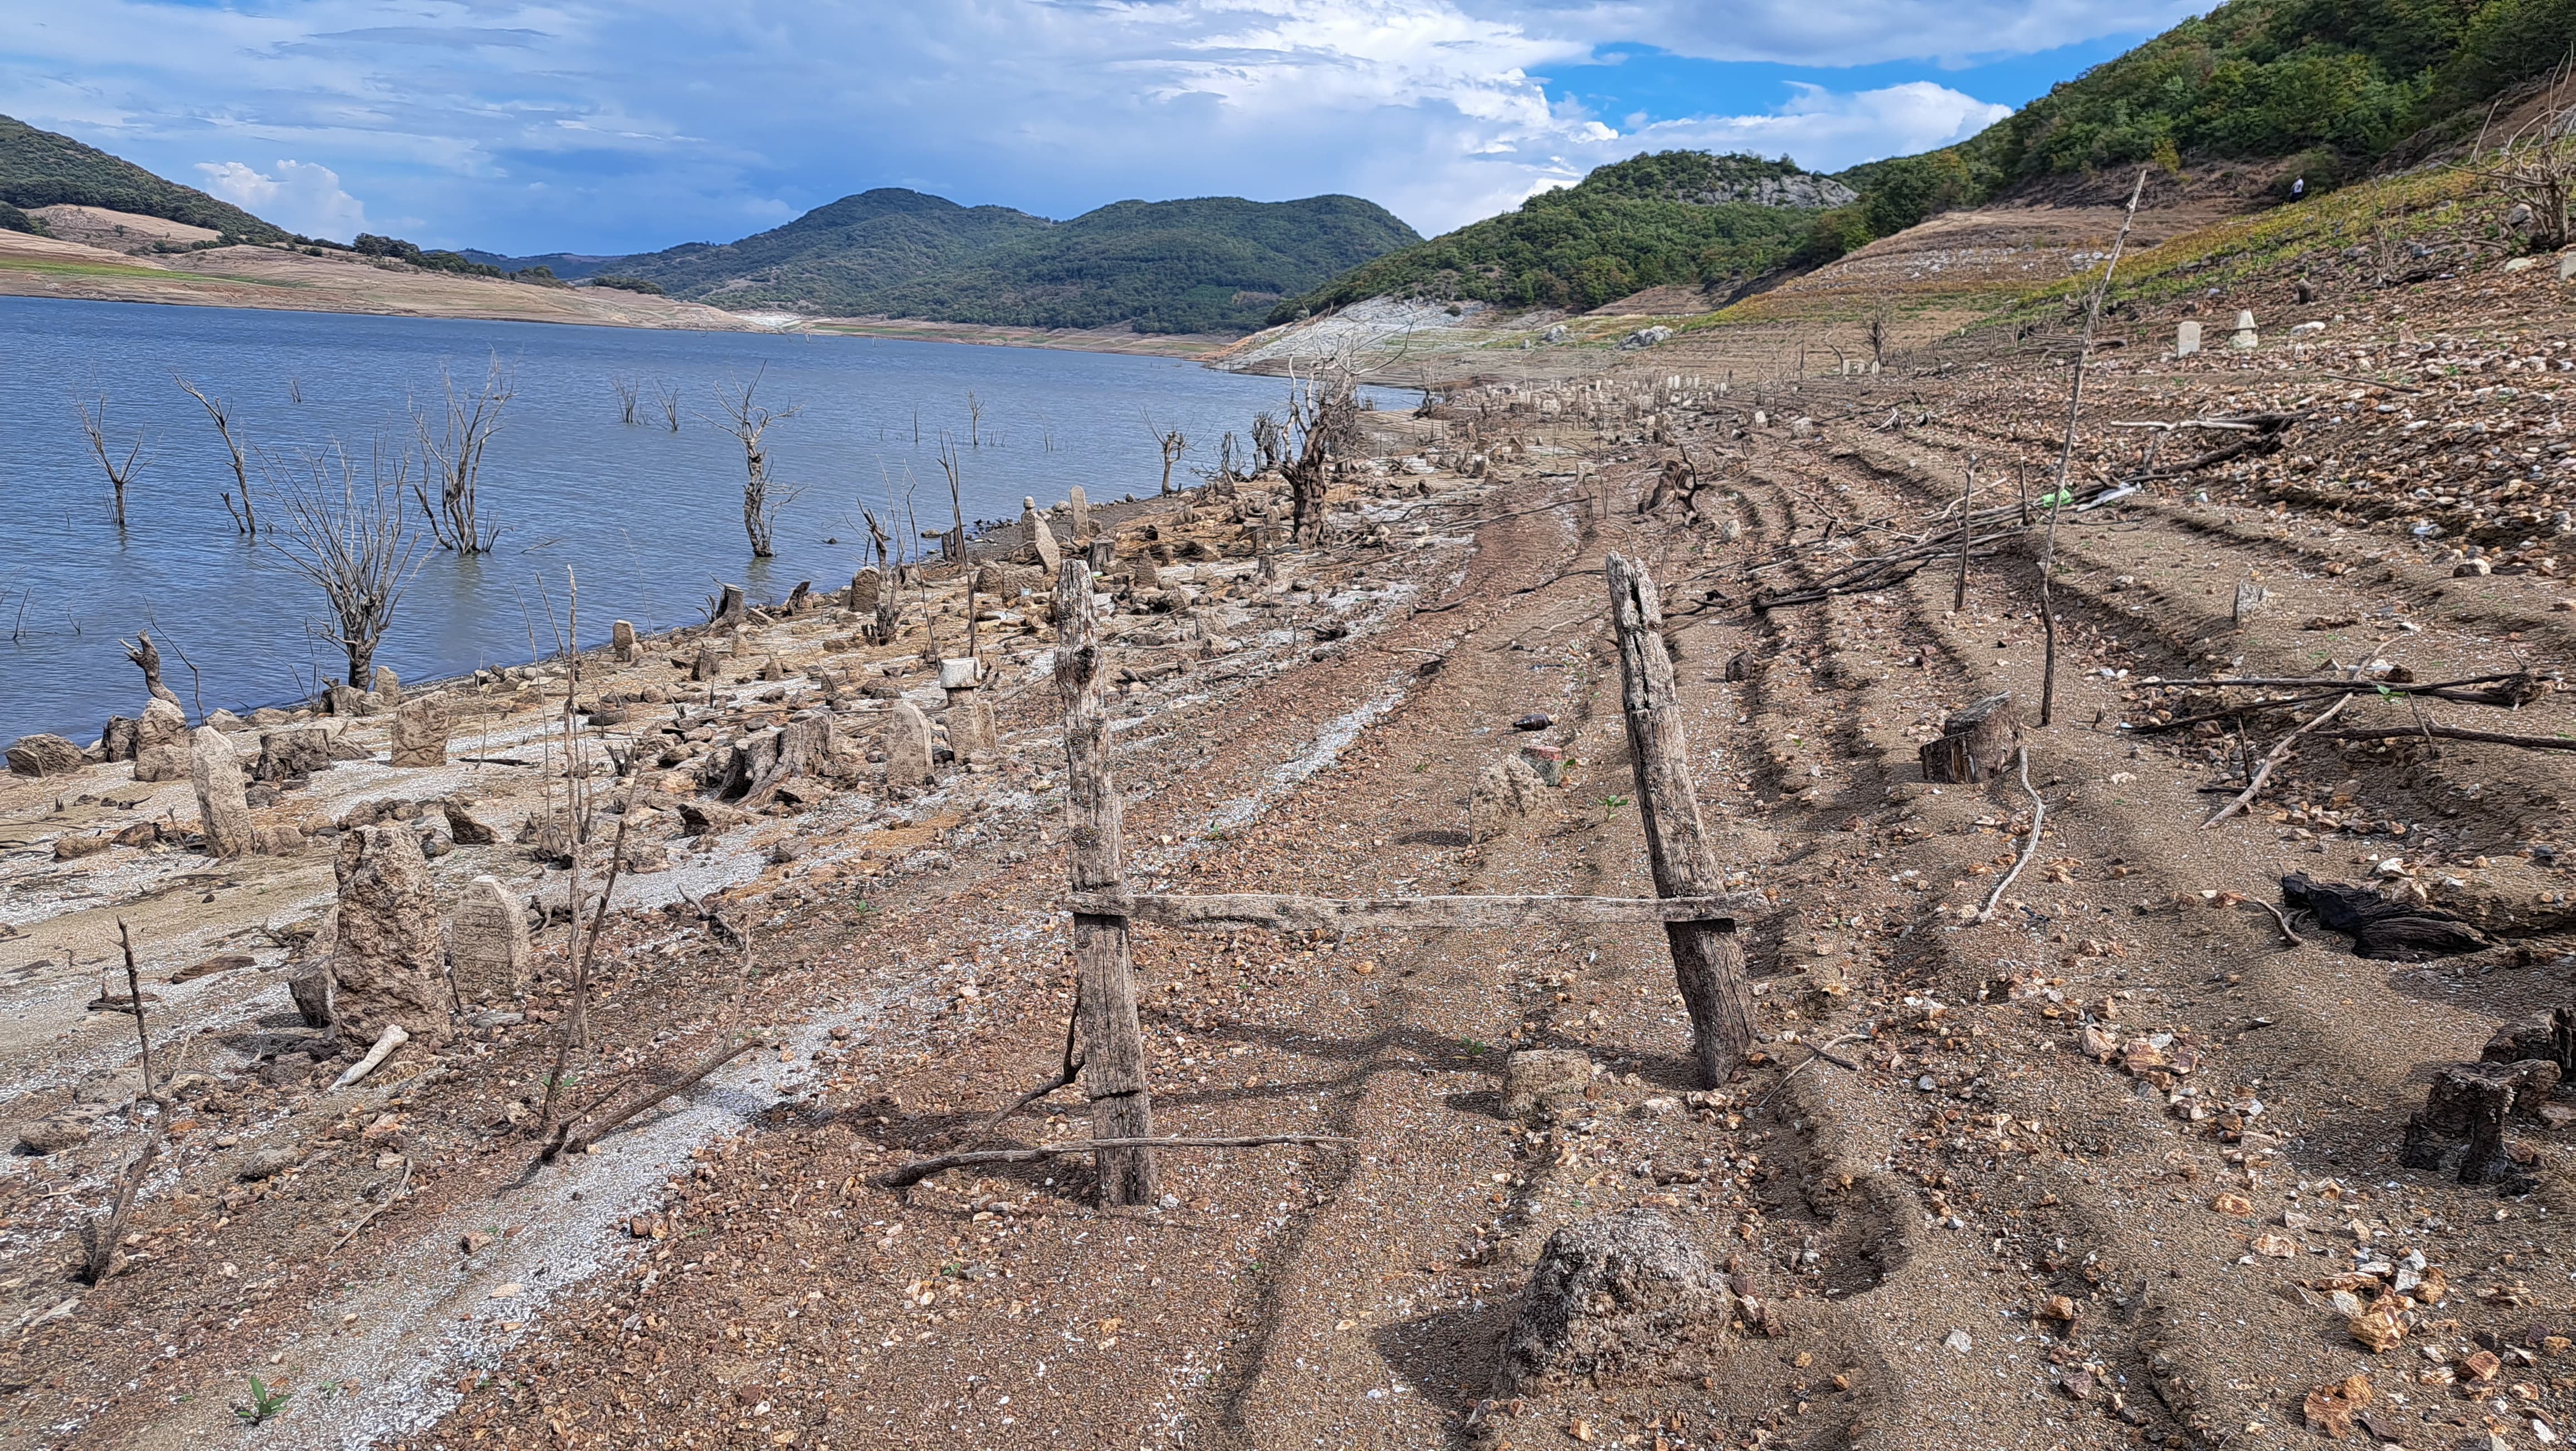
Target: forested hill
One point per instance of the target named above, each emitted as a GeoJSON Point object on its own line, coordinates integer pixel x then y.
{"type": "Point", "coordinates": [1671, 217]}
{"type": "Point", "coordinates": [42, 169]}
{"type": "Point", "coordinates": [2324, 89]}
{"type": "Point", "coordinates": [1211, 264]}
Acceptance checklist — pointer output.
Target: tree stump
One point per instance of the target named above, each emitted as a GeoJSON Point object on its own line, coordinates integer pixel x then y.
{"type": "Point", "coordinates": [1975, 743]}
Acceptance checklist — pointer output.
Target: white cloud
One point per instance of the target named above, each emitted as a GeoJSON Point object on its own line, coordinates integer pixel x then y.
{"type": "Point", "coordinates": [304, 198]}
{"type": "Point", "coordinates": [600, 125]}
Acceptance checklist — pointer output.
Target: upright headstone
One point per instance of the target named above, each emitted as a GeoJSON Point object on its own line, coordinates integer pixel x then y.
{"type": "Point", "coordinates": [621, 642]}
{"type": "Point", "coordinates": [2187, 337]}
{"type": "Point", "coordinates": [907, 747]}
{"type": "Point", "coordinates": [708, 665]}
{"type": "Point", "coordinates": [1081, 505]}
{"type": "Point", "coordinates": [862, 598]}
{"type": "Point", "coordinates": [2246, 337]}
{"type": "Point", "coordinates": [222, 809]}
{"type": "Point", "coordinates": [386, 960]}
{"type": "Point", "coordinates": [386, 687]}
{"type": "Point", "coordinates": [969, 715]}
{"type": "Point", "coordinates": [1040, 538]}
{"type": "Point", "coordinates": [420, 732]}
{"type": "Point", "coordinates": [487, 944]}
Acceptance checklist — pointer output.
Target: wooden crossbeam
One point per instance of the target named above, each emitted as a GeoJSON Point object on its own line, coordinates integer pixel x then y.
{"type": "Point", "coordinates": [1279, 912]}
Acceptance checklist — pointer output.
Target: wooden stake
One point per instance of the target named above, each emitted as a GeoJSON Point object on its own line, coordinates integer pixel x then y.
{"type": "Point", "coordinates": [1113, 1058]}
{"type": "Point", "coordinates": [1708, 959]}
{"type": "Point", "coordinates": [1967, 502]}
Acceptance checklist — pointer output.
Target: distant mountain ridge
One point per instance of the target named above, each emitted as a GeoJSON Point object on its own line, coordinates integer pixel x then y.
{"type": "Point", "coordinates": [1205, 264]}
{"type": "Point", "coordinates": [43, 169]}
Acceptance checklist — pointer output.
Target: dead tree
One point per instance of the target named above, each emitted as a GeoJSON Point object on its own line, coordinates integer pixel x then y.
{"type": "Point", "coordinates": [1323, 415]}
{"type": "Point", "coordinates": [147, 658]}
{"type": "Point", "coordinates": [120, 472]}
{"type": "Point", "coordinates": [1270, 440]}
{"type": "Point", "coordinates": [630, 393]}
{"type": "Point", "coordinates": [452, 447]}
{"type": "Point", "coordinates": [246, 515]}
{"type": "Point", "coordinates": [954, 467]}
{"type": "Point", "coordinates": [2066, 458]}
{"type": "Point", "coordinates": [1173, 446]}
{"type": "Point", "coordinates": [1882, 322]}
{"type": "Point", "coordinates": [740, 413]}
{"type": "Point", "coordinates": [669, 398]}
{"type": "Point", "coordinates": [350, 541]}
{"type": "Point", "coordinates": [2536, 166]}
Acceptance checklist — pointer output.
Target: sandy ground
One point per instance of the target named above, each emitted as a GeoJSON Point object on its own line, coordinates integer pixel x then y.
{"type": "Point", "coordinates": [2088, 1170]}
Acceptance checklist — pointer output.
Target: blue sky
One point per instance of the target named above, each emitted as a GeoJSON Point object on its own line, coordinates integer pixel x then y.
{"type": "Point", "coordinates": [581, 125]}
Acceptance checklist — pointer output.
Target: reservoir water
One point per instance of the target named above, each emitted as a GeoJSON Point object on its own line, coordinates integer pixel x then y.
{"type": "Point", "coordinates": [648, 519]}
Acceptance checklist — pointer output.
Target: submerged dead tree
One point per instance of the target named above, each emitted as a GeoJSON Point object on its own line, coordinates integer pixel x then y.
{"type": "Point", "coordinates": [346, 534]}
{"type": "Point", "coordinates": [120, 471]}
{"type": "Point", "coordinates": [740, 413]}
{"type": "Point", "coordinates": [451, 448]}
{"type": "Point", "coordinates": [245, 514]}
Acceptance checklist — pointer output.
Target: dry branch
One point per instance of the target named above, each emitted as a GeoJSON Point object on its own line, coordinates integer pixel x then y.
{"type": "Point", "coordinates": [1282, 912]}
{"type": "Point", "coordinates": [913, 1173]}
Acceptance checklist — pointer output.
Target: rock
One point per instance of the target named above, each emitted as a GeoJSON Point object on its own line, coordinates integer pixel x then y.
{"type": "Point", "coordinates": [1546, 762]}
{"type": "Point", "coordinates": [1038, 538]}
{"type": "Point", "coordinates": [1534, 1077]}
{"type": "Point", "coordinates": [862, 598]}
{"type": "Point", "coordinates": [1626, 1297]}
{"type": "Point", "coordinates": [2250, 599]}
{"type": "Point", "coordinates": [420, 733]}
{"type": "Point", "coordinates": [1078, 506]}
{"type": "Point", "coordinates": [222, 812]}
{"type": "Point", "coordinates": [621, 642]}
{"type": "Point", "coordinates": [907, 747]}
{"type": "Point", "coordinates": [226, 721]}
{"type": "Point", "coordinates": [44, 755]}
{"type": "Point", "coordinates": [487, 944]}
{"type": "Point", "coordinates": [2472, 569]}
{"type": "Point", "coordinates": [52, 1135]}
{"type": "Point", "coordinates": [386, 960]}
{"type": "Point", "coordinates": [386, 687]}
{"type": "Point", "coordinates": [463, 828]}
{"type": "Point", "coordinates": [116, 740]}
{"type": "Point", "coordinates": [1646, 337]}
{"type": "Point", "coordinates": [310, 988]}
{"type": "Point", "coordinates": [292, 756]}
{"type": "Point", "coordinates": [277, 840]}
{"type": "Point", "coordinates": [706, 818]}
{"type": "Point", "coordinates": [161, 724]}
{"type": "Point", "coordinates": [141, 833]}
{"type": "Point", "coordinates": [708, 665]}
{"type": "Point", "coordinates": [73, 848]}
{"type": "Point", "coordinates": [268, 1164]}
{"type": "Point", "coordinates": [1506, 791]}
{"type": "Point", "coordinates": [161, 763]}
{"type": "Point", "coordinates": [345, 701]}
{"type": "Point", "coordinates": [2186, 337]}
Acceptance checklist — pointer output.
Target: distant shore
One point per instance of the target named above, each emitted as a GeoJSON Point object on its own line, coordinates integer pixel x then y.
{"type": "Point", "coordinates": [269, 277]}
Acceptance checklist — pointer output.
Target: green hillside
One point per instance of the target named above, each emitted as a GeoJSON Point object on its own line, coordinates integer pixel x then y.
{"type": "Point", "coordinates": [2328, 87]}
{"type": "Point", "coordinates": [1210, 264]}
{"type": "Point", "coordinates": [1671, 217]}
{"type": "Point", "coordinates": [41, 169]}
{"type": "Point", "coordinates": [833, 255]}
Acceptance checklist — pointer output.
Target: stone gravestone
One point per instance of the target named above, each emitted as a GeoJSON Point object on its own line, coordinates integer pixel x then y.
{"type": "Point", "coordinates": [420, 732]}
{"type": "Point", "coordinates": [2246, 337]}
{"type": "Point", "coordinates": [1040, 539]}
{"type": "Point", "coordinates": [970, 716]}
{"type": "Point", "coordinates": [1081, 506]}
{"type": "Point", "coordinates": [385, 961]}
{"type": "Point", "coordinates": [907, 747]}
{"type": "Point", "coordinates": [487, 944]}
{"type": "Point", "coordinates": [621, 642]}
{"type": "Point", "coordinates": [2186, 337]}
{"type": "Point", "coordinates": [386, 687]}
{"type": "Point", "coordinates": [222, 809]}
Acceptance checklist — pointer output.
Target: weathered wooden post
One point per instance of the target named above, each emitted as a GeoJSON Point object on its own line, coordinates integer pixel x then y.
{"type": "Point", "coordinates": [1113, 1047]}
{"type": "Point", "coordinates": [1708, 958]}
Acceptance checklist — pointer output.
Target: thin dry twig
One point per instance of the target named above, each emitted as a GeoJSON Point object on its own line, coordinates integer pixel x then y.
{"type": "Point", "coordinates": [913, 1173]}
{"type": "Point", "coordinates": [567, 1142]}
{"type": "Point", "coordinates": [370, 1216]}
{"type": "Point", "coordinates": [2038, 815]}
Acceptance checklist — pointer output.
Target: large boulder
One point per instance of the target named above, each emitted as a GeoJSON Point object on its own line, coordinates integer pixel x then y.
{"type": "Point", "coordinates": [420, 732]}
{"type": "Point", "coordinates": [223, 812]}
{"type": "Point", "coordinates": [387, 958]}
{"type": "Point", "coordinates": [487, 945]}
{"type": "Point", "coordinates": [292, 756]}
{"type": "Point", "coordinates": [44, 755]}
{"type": "Point", "coordinates": [1627, 1297]}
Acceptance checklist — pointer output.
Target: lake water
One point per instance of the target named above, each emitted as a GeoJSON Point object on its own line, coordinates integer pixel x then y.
{"type": "Point", "coordinates": [648, 519]}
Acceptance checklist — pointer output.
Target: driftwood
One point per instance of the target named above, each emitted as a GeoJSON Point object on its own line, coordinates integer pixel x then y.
{"type": "Point", "coordinates": [913, 1173]}
{"type": "Point", "coordinates": [2452, 733]}
{"type": "Point", "coordinates": [1279, 912]}
{"type": "Point", "coordinates": [2509, 690]}
{"type": "Point", "coordinates": [2278, 754]}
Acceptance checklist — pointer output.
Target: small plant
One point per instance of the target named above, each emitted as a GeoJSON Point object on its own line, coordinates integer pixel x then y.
{"type": "Point", "coordinates": [1475, 1048]}
{"type": "Point", "coordinates": [1610, 804]}
{"type": "Point", "coordinates": [267, 1402]}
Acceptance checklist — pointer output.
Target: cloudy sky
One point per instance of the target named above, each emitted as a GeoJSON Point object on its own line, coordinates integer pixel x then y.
{"type": "Point", "coordinates": [540, 125]}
